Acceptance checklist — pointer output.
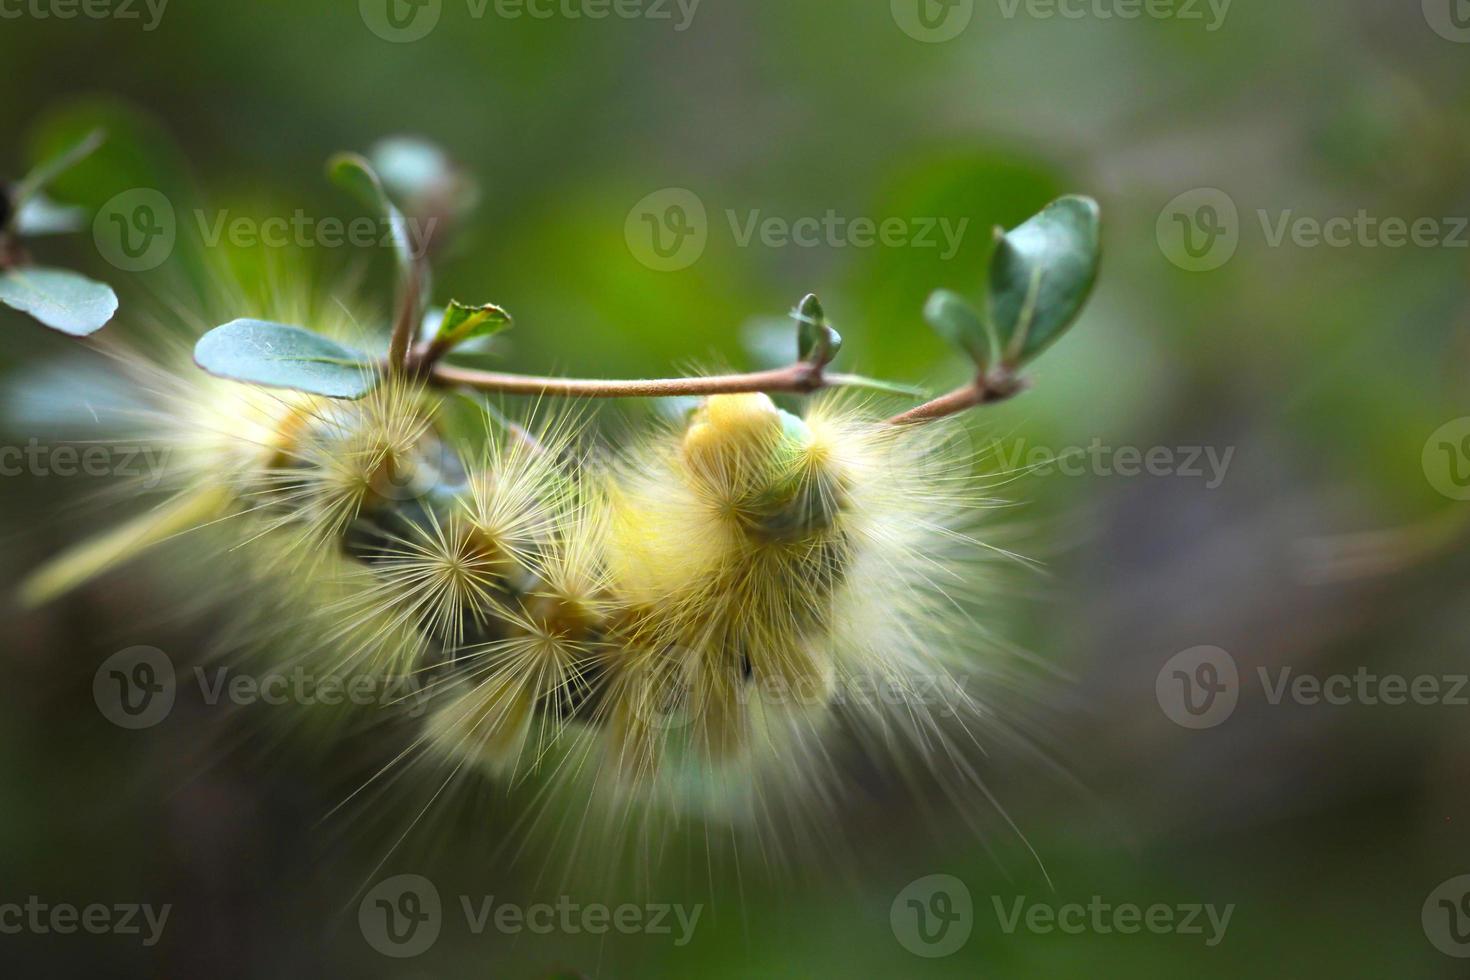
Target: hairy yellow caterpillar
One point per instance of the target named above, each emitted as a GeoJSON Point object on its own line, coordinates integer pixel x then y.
{"type": "Point", "coordinates": [700, 620]}
{"type": "Point", "coordinates": [685, 617]}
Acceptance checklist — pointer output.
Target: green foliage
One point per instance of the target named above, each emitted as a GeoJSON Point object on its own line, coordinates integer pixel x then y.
{"type": "Point", "coordinates": [1041, 275]}
{"type": "Point", "coordinates": [1054, 255]}
{"type": "Point", "coordinates": [282, 356]}
{"type": "Point", "coordinates": [422, 176]}
{"type": "Point", "coordinates": [461, 323]}
{"type": "Point", "coordinates": [954, 319]}
{"type": "Point", "coordinates": [816, 342]}
{"type": "Point", "coordinates": [61, 300]}
{"type": "Point", "coordinates": [39, 215]}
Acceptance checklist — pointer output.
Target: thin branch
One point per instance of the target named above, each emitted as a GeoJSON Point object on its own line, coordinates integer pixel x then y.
{"type": "Point", "coordinates": [798, 378]}
{"type": "Point", "coordinates": [406, 326]}
{"type": "Point", "coordinates": [987, 390]}
{"type": "Point", "coordinates": [801, 378]}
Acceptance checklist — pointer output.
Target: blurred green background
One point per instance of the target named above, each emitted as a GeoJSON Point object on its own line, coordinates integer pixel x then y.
{"type": "Point", "coordinates": [1324, 368]}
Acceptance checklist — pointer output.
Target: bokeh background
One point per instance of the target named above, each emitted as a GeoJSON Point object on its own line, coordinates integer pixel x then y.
{"type": "Point", "coordinates": [1333, 543]}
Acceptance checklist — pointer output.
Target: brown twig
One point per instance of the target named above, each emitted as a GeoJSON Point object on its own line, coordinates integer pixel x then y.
{"type": "Point", "coordinates": [998, 386]}
{"type": "Point", "coordinates": [406, 326]}
{"type": "Point", "coordinates": [800, 378]}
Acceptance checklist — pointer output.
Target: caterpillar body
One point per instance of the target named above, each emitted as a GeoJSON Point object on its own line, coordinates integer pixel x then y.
{"type": "Point", "coordinates": [693, 623]}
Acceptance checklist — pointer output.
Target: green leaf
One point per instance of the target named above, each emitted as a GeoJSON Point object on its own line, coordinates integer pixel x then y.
{"type": "Point", "coordinates": [1041, 275]}
{"type": "Point", "coordinates": [422, 176]}
{"type": "Point", "coordinates": [816, 342]}
{"type": "Point", "coordinates": [954, 319]}
{"type": "Point", "coordinates": [461, 323]}
{"type": "Point", "coordinates": [60, 299]}
{"type": "Point", "coordinates": [48, 170]}
{"type": "Point", "coordinates": [354, 174]}
{"type": "Point", "coordinates": [410, 166]}
{"type": "Point", "coordinates": [878, 384]}
{"type": "Point", "coordinates": [282, 356]}
{"type": "Point", "coordinates": [40, 215]}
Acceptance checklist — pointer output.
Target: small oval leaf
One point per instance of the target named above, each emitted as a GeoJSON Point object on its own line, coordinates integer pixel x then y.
{"type": "Point", "coordinates": [410, 166]}
{"type": "Point", "coordinates": [282, 356]}
{"type": "Point", "coordinates": [60, 299]}
{"type": "Point", "coordinates": [1041, 275]}
{"type": "Point", "coordinates": [461, 323]}
{"type": "Point", "coordinates": [816, 341]}
{"type": "Point", "coordinates": [40, 215]}
{"type": "Point", "coordinates": [422, 176]}
{"type": "Point", "coordinates": [354, 174]}
{"type": "Point", "coordinates": [954, 319]}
